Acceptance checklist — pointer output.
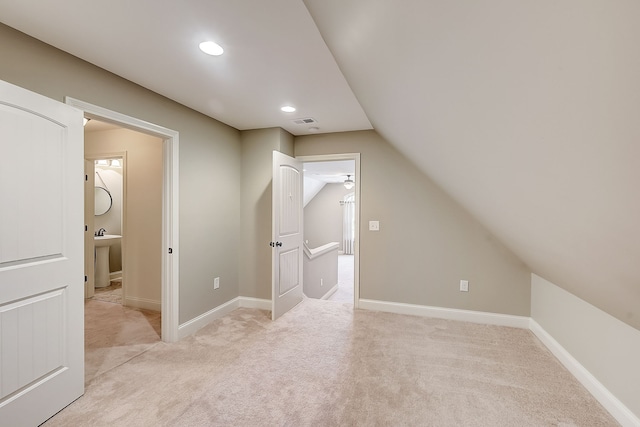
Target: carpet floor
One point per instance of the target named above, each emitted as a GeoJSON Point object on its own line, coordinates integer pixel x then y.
{"type": "Point", "coordinates": [325, 364]}
{"type": "Point", "coordinates": [111, 293]}
{"type": "Point", "coordinates": [114, 335]}
{"type": "Point", "coordinates": [345, 280]}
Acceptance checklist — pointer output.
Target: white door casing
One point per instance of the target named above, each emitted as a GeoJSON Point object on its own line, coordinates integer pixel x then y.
{"type": "Point", "coordinates": [357, 178]}
{"type": "Point", "coordinates": [286, 283]}
{"type": "Point", "coordinates": [41, 256]}
{"type": "Point", "coordinates": [170, 207]}
{"type": "Point", "coordinates": [89, 212]}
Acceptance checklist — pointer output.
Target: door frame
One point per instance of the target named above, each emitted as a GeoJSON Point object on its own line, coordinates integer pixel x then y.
{"type": "Point", "coordinates": [170, 206]}
{"type": "Point", "coordinates": [356, 250]}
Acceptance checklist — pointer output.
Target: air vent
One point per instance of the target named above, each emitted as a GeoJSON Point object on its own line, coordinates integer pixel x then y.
{"type": "Point", "coordinates": [305, 121]}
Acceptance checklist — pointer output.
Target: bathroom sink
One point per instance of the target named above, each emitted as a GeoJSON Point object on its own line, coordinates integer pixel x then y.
{"type": "Point", "coordinates": [106, 240]}
{"type": "Point", "coordinates": [103, 243]}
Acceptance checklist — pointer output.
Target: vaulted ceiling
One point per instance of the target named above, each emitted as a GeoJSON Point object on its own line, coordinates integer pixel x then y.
{"type": "Point", "coordinates": [525, 112]}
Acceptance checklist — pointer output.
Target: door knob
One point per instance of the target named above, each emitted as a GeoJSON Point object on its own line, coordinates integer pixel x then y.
{"type": "Point", "coordinates": [278, 244]}
{"type": "Point", "coordinates": [274, 244]}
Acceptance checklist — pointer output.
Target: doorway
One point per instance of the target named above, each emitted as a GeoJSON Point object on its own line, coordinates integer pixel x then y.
{"type": "Point", "coordinates": [169, 221]}
{"type": "Point", "coordinates": [105, 176]}
{"type": "Point", "coordinates": [331, 224]}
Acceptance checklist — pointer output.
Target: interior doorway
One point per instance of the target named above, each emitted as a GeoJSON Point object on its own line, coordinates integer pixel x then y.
{"type": "Point", "coordinates": [331, 226]}
{"type": "Point", "coordinates": [170, 196]}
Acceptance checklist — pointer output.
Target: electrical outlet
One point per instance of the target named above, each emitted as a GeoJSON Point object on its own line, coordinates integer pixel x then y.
{"type": "Point", "coordinates": [374, 225]}
{"type": "Point", "coordinates": [464, 286]}
{"type": "Point", "coordinates": [216, 283]}
{"type": "Point", "coordinates": [321, 282]}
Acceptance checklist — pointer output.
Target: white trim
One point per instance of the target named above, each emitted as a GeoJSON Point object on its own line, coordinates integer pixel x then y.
{"type": "Point", "coordinates": [611, 403]}
{"type": "Point", "coordinates": [356, 249]}
{"type": "Point", "coordinates": [145, 304]}
{"type": "Point", "coordinates": [191, 326]}
{"type": "Point", "coordinates": [170, 209]}
{"type": "Point", "coordinates": [330, 293]}
{"type": "Point", "coordinates": [204, 319]}
{"type": "Point", "coordinates": [447, 313]}
{"type": "Point", "coordinates": [260, 304]}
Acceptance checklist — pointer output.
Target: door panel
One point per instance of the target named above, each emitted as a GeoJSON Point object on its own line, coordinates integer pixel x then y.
{"type": "Point", "coordinates": [41, 256]}
{"type": "Point", "coordinates": [286, 290]}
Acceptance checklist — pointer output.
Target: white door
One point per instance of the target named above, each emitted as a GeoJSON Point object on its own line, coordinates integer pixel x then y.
{"type": "Point", "coordinates": [286, 288]}
{"type": "Point", "coordinates": [41, 256]}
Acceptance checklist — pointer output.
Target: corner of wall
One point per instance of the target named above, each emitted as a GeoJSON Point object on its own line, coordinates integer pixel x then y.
{"type": "Point", "coordinates": [598, 349]}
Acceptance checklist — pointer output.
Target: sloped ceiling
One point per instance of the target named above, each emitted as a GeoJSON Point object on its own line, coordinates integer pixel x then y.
{"type": "Point", "coordinates": [527, 113]}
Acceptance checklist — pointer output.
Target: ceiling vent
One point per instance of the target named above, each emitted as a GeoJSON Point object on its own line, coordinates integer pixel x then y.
{"type": "Point", "coordinates": [305, 121]}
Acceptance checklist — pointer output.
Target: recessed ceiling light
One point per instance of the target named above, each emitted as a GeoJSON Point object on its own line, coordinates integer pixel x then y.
{"type": "Point", "coordinates": [211, 48]}
{"type": "Point", "coordinates": [288, 109]}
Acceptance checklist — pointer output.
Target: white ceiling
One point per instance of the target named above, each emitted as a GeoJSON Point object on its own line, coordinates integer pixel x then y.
{"type": "Point", "coordinates": [525, 112]}
{"type": "Point", "coordinates": [331, 172]}
{"type": "Point", "coordinates": [274, 56]}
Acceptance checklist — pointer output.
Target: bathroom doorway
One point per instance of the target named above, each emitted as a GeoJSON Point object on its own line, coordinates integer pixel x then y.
{"type": "Point", "coordinates": [109, 200]}
{"type": "Point", "coordinates": [127, 225]}
{"type": "Point", "coordinates": [169, 230]}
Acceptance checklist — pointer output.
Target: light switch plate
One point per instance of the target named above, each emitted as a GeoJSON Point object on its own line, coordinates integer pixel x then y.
{"type": "Point", "coordinates": [464, 286]}
{"type": "Point", "coordinates": [374, 225]}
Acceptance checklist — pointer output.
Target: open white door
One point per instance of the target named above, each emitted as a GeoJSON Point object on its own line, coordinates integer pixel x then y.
{"type": "Point", "coordinates": [286, 288]}
{"type": "Point", "coordinates": [41, 256]}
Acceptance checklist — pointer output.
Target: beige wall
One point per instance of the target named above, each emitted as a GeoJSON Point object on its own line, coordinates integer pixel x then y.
{"type": "Point", "coordinates": [323, 216]}
{"type": "Point", "coordinates": [444, 243]}
{"type": "Point", "coordinates": [142, 283]}
{"type": "Point", "coordinates": [257, 172]}
{"type": "Point", "coordinates": [320, 271]}
{"type": "Point", "coordinates": [605, 346]}
{"type": "Point", "coordinates": [209, 160]}
{"type": "Point", "coordinates": [426, 243]}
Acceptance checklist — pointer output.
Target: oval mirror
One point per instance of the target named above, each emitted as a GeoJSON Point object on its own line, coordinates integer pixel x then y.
{"type": "Point", "coordinates": [103, 201]}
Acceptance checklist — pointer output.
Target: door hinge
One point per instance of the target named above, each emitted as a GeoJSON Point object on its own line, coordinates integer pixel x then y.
{"type": "Point", "coordinates": [86, 177]}
{"type": "Point", "coordinates": [170, 250]}
{"type": "Point", "coordinates": [86, 279]}
{"type": "Point", "coordinates": [86, 228]}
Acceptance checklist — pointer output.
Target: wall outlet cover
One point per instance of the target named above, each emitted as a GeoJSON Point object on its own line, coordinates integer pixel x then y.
{"type": "Point", "coordinates": [216, 283]}
{"type": "Point", "coordinates": [374, 225]}
{"type": "Point", "coordinates": [464, 286]}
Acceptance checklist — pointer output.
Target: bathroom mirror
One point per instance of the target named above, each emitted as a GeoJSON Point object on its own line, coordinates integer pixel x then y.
{"type": "Point", "coordinates": [103, 201]}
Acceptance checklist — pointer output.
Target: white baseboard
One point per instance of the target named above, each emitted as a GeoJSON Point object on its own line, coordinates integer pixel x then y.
{"type": "Point", "coordinates": [260, 304]}
{"type": "Point", "coordinates": [330, 292]}
{"type": "Point", "coordinates": [446, 313]}
{"type": "Point", "coordinates": [143, 303]}
{"type": "Point", "coordinates": [611, 403]}
{"type": "Point", "coordinates": [204, 319]}
{"type": "Point", "coordinates": [191, 326]}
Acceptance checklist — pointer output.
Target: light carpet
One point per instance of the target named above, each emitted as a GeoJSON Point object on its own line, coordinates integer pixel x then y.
{"type": "Point", "coordinates": [345, 280]}
{"type": "Point", "coordinates": [324, 364]}
{"type": "Point", "coordinates": [111, 293]}
{"type": "Point", "coordinates": [114, 334]}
